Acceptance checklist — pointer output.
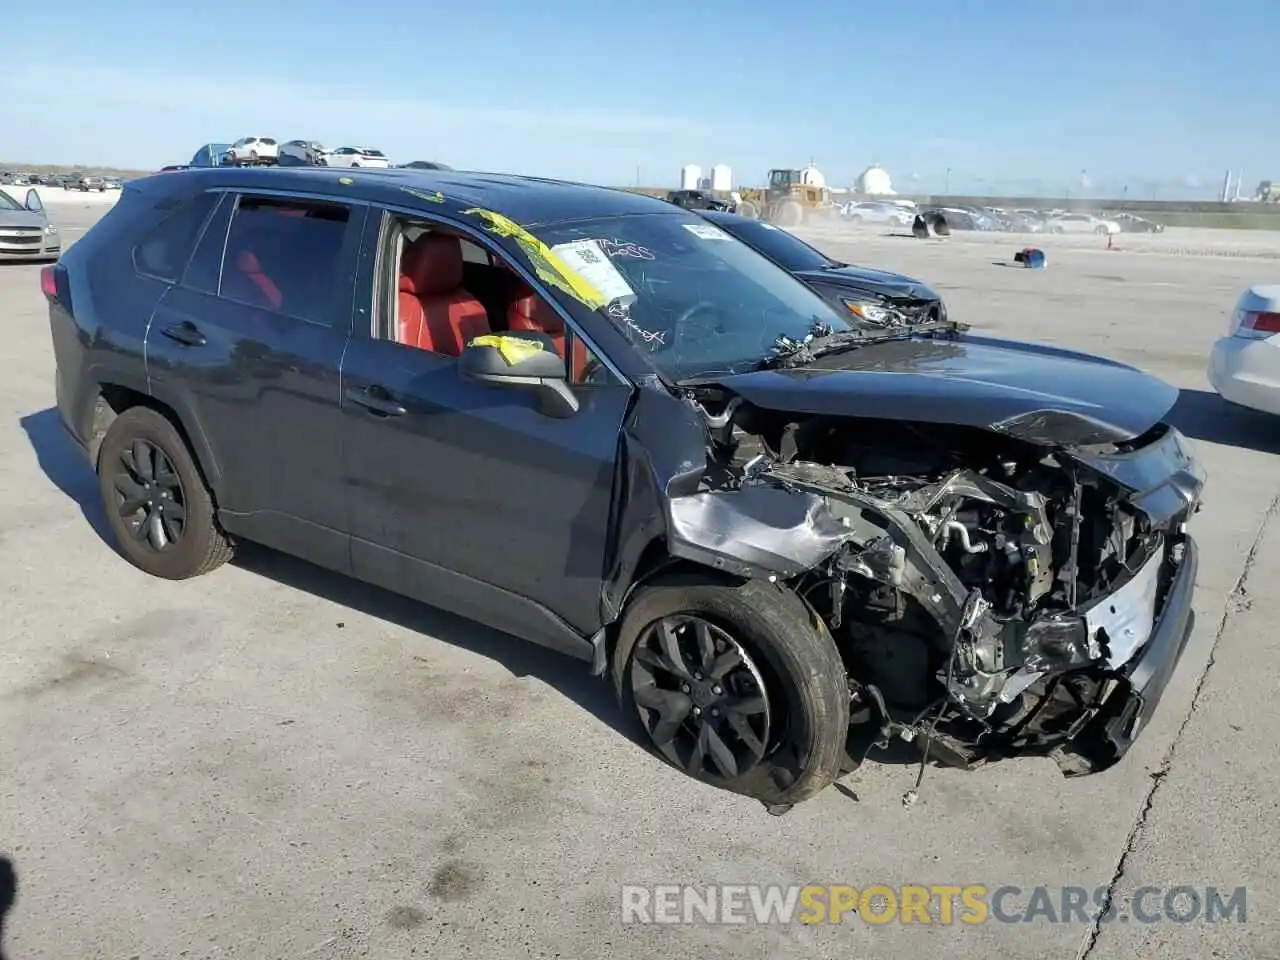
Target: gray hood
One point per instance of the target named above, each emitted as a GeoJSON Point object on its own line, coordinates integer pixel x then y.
{"type": "Point", "coordinates": [22, 218]}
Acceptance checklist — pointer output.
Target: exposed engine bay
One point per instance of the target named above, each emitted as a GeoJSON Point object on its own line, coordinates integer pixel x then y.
{"type": "Point", "coordinates": [983, 590]}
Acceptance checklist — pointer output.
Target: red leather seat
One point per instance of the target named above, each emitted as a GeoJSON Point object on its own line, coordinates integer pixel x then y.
{"type": "Point", "coordinates": [528, 311]}
{"type": "Point", "coordinates": [436, 312]}
{"type": "Point", "coordinates": [251, 270]}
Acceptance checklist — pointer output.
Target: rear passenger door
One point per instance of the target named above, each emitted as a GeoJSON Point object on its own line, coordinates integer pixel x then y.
{"type": "Point", "coordinates": [250, 340]}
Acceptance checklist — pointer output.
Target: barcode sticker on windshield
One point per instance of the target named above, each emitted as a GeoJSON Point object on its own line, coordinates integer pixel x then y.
{"type": "Point", "coordinates": [706, 231]}
{"type": "Point", "coordinates": [589, 261]}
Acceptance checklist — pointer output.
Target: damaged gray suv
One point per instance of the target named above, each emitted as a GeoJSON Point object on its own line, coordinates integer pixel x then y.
{"type": "Point", "coordinates": [599, 422]}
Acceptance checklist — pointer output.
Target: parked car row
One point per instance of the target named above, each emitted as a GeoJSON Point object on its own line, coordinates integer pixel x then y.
{"type": "Point", "coordinates": [264, 151]}
{"type": "Point", "coordinates": [68, 181]}
{"type": "Point", "coordinates": [1025, 220]}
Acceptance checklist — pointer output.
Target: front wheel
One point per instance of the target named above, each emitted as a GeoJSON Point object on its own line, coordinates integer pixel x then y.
{"type": "Point", "coordinates": [737, 684]}
{"type": "Point", "coordinates": [1102, 231]}
{"type": "Point", "coordinates": [158, 505]}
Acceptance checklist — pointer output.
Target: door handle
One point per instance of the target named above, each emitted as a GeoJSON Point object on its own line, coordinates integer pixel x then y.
{"type": "Point", "coordinates": [186, 334]}
{"type": "Point", "coordinates": [376, 400]}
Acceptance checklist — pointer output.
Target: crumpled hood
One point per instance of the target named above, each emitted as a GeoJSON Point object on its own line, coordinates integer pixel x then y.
{"type": "Point", "coordinates": [1038, 393]}
{"type": "Point", "coordinates": [877, 281]}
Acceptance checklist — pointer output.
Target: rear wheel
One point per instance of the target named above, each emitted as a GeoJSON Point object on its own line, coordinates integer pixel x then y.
{"type": "Point", "coordinates": [158, 505]}
{"type": "Point", "coordinates": [737, 684]}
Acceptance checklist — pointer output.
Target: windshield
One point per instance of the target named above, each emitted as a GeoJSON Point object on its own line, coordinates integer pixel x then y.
{"type": "Point", "coordinates": [8, 203]}
{"type": "Point", "coordinates": [784, 249]}
{"type": "Point", "coordinates": [693, 297]}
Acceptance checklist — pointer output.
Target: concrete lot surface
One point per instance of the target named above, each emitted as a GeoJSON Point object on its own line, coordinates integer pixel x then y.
{"type": "Point", "coordinates": [271, 761]}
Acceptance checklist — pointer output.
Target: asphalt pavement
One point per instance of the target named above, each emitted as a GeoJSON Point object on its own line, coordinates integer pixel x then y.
{"type": "Point", "coordinates": [273, 761]}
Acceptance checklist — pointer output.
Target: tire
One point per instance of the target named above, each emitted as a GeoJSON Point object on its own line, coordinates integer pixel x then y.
{"type": "Point", "coordinates": [749, 210]}
{"type": "Point", "coordinates": [856, 220]}
{"type": "Point", "coordinates": [199, 545]}
{"type": "Point", "coordinates": [1101, 231]}
{"type": "Point", "coordinates": [803, 676]}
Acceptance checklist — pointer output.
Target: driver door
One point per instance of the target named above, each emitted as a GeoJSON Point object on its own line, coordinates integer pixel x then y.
{"type": "Point", "coordinates": [463, 494]}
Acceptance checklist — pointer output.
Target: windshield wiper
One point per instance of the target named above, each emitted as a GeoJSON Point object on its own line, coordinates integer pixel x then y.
{"type": "Point", "coordinates": [789, 352]}
{"type": "Point", "coordinates": [814, 347]}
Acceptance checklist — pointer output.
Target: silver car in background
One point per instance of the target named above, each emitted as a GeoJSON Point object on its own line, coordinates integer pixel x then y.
{"type": "Point", "coordinates": [303, 153]}
{"type": "Point", "coordinates": [25, 230]}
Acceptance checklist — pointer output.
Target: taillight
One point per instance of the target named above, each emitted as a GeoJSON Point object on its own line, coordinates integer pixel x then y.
{"type": "Point", "coordinates": [1257, 323]}
{"type": "Point", "coordinates": [49, 282]}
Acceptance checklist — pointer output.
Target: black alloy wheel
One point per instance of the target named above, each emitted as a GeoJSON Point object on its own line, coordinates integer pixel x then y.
{"type": "Point", "coordinates": [734, 682]}
{"type": "Point", "coordinates": [158, 505]}
{"type": "Point", "coordinates": [701, 698]}
{"type": "Point", "coordinates": [150, 499]}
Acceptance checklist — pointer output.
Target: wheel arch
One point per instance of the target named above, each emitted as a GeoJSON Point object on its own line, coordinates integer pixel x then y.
{"type": "Point", "coordinates": [656, 563]}
{"type": "Point", "coordinates": [114, 399]}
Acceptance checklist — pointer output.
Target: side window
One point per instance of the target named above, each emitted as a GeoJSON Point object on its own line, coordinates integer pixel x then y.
{"type": "Point", "coordinates": [286, 255]}
{"type": "Point", "coordinates": [443, 290]}
{"type": "Point", "coordinates": [205, 267]}
{"type": "Point", "coordinates": [164, 252]}
{"type": "Point", "coordinates": [474, 253]}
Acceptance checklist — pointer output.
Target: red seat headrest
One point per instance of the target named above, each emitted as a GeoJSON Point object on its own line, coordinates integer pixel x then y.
{"type": "Point", "coordinates": [528, 311]}
{"type": "Point", "coordinates": [431, 265]}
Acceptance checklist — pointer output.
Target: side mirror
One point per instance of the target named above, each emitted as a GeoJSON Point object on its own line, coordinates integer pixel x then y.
{"type": "Point", "coordinates": [34, 203]}
{"type": "Point", "coordinates": [522, 360]}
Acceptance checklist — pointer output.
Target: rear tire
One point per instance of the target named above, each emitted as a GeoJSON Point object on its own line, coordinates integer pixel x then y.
{"type": "Point", "coordinates": [787, 648]}
{"type": "Point", "coordinates": [144, 461]}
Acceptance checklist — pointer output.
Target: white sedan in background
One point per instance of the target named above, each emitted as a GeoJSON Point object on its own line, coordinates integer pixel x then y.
{"type": "Point", "coordinates": [1081, 223]}
{"type": "Point", "coordinates": [253, 150]}
{"type": "Point", "coordinates": [1244, 366]}
{"type": "Point", "coordinates": [872, 211]}
{"type": "Point", "coordinates": [358, 157]}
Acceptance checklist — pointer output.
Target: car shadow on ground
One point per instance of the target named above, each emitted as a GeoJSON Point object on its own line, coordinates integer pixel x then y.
{"type": "Point", "coordinates": [65, 465]}
{"type": "Point", "coordinates": [1204, 415]}
{"type": "Point", "coordinates": [8, 894]}
{"type": "Point", "coordinates": [568, 676]}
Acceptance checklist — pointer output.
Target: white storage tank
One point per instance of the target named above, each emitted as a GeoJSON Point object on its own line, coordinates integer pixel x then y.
{"type": "Point", "coordinates": [690, 175]}
{"type": "Point", "coordinates": [874, 181]}
{"type": "Point", "coordinates": [721, 178]}
{"type": "Point", "coordinates": [811, 176]}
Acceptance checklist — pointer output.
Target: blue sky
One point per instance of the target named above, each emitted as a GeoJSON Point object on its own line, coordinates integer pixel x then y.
{"type": "Point", "coordinates": [1025, 96]}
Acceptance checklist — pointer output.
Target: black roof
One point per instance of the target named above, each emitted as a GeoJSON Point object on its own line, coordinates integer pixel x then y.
{"type": "Point", "coordinates": [529, 201]}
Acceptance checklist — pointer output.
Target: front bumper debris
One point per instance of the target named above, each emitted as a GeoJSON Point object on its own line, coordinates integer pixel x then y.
{"type": "Point", "coordinates": [1140, 684]}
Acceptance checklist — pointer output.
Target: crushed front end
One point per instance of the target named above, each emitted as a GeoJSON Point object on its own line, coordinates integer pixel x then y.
{"type": "Point", "coordinates": [997, 595]}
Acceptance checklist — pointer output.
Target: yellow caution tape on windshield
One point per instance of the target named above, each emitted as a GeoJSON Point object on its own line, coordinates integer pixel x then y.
{"type": "Point", "coordinates": [513, 349]}
{"type": "Point", "coordinates": [549, 267]}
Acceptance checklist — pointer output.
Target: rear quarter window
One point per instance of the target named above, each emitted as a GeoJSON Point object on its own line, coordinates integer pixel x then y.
{"type": "Point", "coordinates": [163, 253]}
{"type": "Point", "coordinates": [287, 256]}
